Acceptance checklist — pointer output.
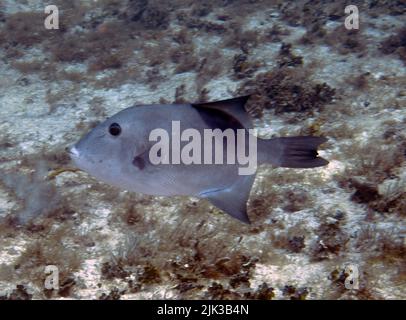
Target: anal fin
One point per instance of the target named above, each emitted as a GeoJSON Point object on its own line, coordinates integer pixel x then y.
{"type": "Point", "coordinates": [233, 200]}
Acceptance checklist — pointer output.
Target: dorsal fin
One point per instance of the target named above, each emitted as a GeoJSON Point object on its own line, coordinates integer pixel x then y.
{"type": "Point", "coordinates": [232, 107]}
{"type": "Point", "coordinates": [233, 200]}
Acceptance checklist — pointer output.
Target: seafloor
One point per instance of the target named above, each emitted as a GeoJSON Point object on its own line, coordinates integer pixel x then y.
{"type": "Point", "coordinates": [307, 75]}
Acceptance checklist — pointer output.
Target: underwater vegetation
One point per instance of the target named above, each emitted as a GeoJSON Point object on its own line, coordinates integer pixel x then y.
{"type": "Point", "coordinates": [396, 43]}
{"type": "Point", "coordinates": [307, 75]}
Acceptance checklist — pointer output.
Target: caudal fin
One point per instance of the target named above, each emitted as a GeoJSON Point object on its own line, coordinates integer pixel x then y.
{"type": "Point", "coordinates": [292, 152]}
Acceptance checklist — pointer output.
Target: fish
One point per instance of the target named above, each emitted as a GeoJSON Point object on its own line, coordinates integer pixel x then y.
{"type": "Point", "coordinates": [120, 150]}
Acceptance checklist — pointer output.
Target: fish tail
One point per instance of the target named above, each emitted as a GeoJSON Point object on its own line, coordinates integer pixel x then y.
{"type": "Point", "coordinates": [292, 152]}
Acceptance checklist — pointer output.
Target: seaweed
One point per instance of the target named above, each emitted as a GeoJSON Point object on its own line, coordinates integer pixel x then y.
{"type": "Point", "coordinates": [135, 9]}
{"type": "Point", "coordinates": [114, 294]}
{"type": "Point", "coordinates": [186, 284]}
{"type": "Point", "coordinates": [101, 43]}
{"type": "Point", "coordinates": [199, 24]}
{"type": "Point", "coordinates": [66, 286]}
{"type": "Point", "coordinates": [395, 43]}
{"type": "Point", "coordinates": [346, 41]}
{"type": "Point", "coordinates": [149, 274]}
{"type": "Point", "coordinates": [240, 279]}
{"type": "Point", "coordinates": [242, 67]}
{"type": "Point", "coordinates": [360, 82]}
{"type": "Point", "coordinates": [294, 293]}
{"type": "Point", "coordinates": [120, 268]}
{"type": "Point", "coordinates": [153, 77]}
{"type": "Point", "coordinates": [375, 167]}
{"type": "Point", "coordinates": [6, 142]}
{"type": "Point", "coordinates": [146, 14]}
{"type": "Point", "coordinates": [154, 18]}
{"type": "Point", "coordinates": [381, 244]}
{"type": "Point", "coordinates": [364, 191]}
{"type": "Point", "coordinates": [263, 292]}
{"type": "Point", "coordinates": [227, 267]}
{"type": "Point", "coordinates": [36, 195]}
{"type": "Point", "coordinates": [180, 92]}
{"type": "Point", "coordinates": [200, 261]}
{"type": "Point", "coordinates": [201, 9]}
{"type": "Point", "coordinates": [186, 63]}
{"type": "Point", "coordinates": [133, 216]}
{"type": "Point", "coordinates": [275, 34]}
{"type": "Point", "coordinates": [296, 244]}
{"type": "Point", "coordinates": [331, 241]}
{"type": "Point", "coordinates": [107, 61]}
{"type": "Point", "coordinates": [338, 277]}
{"type": "Point", "coordinates": [113, 270]}
{"type": "Point", "coordinates": [291, 240]}
{"type": "Point", "coordinates": [285, 91]}
{"type": "Point", "coordinates": [296, 200]}
{"type": "Point", "coordinates": [25, 29]}
{"type": "Point", "coordinates": [286, 58]}
{"type": "Point", "coordinates": [218, 292]}
{"type": "Point", "coordinates": [28, 67]}
{"type": "Point", "coordinates": [245, 40]}
{"type": "Point", "coordinates": [184, 58]}
{"type": "Point", "coordinates": [210, 67]}
{"type": "Point", "coordinates": [204, 95]}
{"type": "Point", "coordinates": [19, 293]}
{"type": "Point", "coordinates": [49, 251]}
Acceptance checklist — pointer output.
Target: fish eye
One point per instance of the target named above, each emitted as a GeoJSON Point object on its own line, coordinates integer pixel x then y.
{"type": "Point", "coordinates": [115, 129]}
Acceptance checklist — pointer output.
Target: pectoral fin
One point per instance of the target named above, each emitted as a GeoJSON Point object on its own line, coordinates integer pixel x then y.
{"type": "Point", "coordinates": [233, 200]}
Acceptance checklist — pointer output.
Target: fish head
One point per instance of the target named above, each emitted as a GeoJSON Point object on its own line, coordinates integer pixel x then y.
{"type": "Point", "coordinates": [106, 152]}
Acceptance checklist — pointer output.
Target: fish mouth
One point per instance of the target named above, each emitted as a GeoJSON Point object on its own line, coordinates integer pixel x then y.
{"type": "Point", "coordinates": [73, 152]}
{"type": "Point", "coordinates": [75, 157]}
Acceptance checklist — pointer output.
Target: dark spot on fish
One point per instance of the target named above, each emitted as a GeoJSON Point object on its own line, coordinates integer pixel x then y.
{"type": "Point", "coordinates": [139, 162]}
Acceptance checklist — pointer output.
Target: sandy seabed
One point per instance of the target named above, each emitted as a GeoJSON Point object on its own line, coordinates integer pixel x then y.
{"type": "Point", "coordinates": [307, 74]}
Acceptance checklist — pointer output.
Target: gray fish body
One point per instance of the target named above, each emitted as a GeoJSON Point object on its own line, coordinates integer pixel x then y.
{"type": "Point", "coordinates": [163, 180]}
{"type": "Point", "coordinates": [123, 160]}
